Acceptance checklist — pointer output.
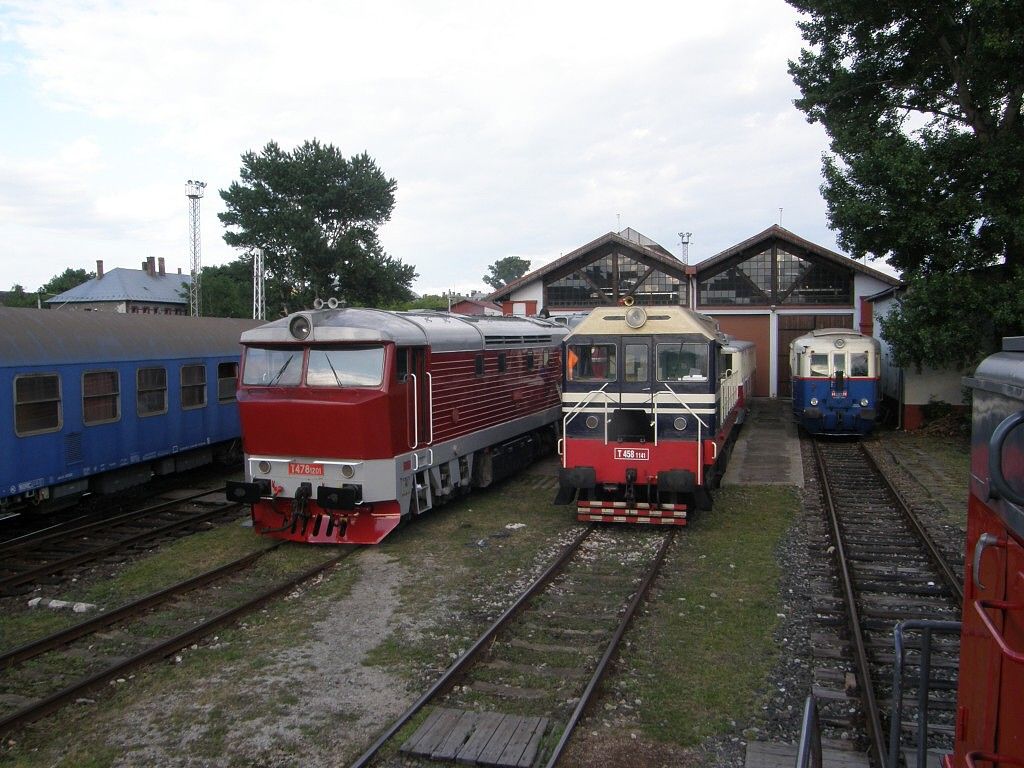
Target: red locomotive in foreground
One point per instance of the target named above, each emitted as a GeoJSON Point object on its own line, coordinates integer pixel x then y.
{"type": "Point", "coordinates": [990, 706]}
{"type": "Point", "coordinates": [355, 419]}
{"type": "Point", "coordinates": [652, 399]}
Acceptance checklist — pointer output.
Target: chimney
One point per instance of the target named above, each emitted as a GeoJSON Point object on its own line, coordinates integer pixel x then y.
{"type": "Point", "coordinates": [151, 266]}
{"type": "Point", "coordinates": [99, 269]}
{"type": "Point", "coordinates": [179, 270]}
{"type": "Point", "coordinates": [160, 261]}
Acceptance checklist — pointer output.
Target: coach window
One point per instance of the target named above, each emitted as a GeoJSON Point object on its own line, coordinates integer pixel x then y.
{"type": "Point", "coordinates": [272, 367]}
{"type": "Point", "coordinates": [349, 367]}
{"type": "Point", "coordinates": [591, 362]}
{"type": "Point", "coordinates": [101, 397]}
{"type": "Point", "coordinates": [635, 363]}
{"type": "Point", "coordinates": [37, 404]}
{"type": "Point", "coordinates": [152, 391]}
{"type": "Point", "coordinates": [227, 382]}
{"type": "Point", "coordinates": [819, 365]}
{"type": "Point", "coordinates": [683, 361]}
{"type": "Point", "coordinates": [193, 386]}
{"type": "Point", "coordinates": [858, 363]}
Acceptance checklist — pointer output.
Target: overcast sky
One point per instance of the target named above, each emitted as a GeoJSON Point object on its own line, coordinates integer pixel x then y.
{"type": "Point", "coordinates": [513, 129]}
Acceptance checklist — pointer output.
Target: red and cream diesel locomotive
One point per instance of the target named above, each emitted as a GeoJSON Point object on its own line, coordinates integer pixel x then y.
{"type": "Point", "coordinates": [356, 419]}
{"type": "Point", "coordinates": [652, 399]}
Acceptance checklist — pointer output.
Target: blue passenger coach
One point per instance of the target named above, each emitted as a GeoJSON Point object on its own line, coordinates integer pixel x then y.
{"type": "Point", "coordinates": [835, 381]}
{"type": "Point", "coordinates": [99, 401]}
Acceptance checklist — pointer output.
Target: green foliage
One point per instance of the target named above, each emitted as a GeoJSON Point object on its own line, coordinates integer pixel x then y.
{"type": "Point", "coordinates": [226, 290]}
{"type": "Point", "coordinates": [315, 214]}
{"type": "Point", "coordinates": [428, 301]}
{"type": "Point", "coordinates": [66, 280]}
{"type": "Point", "coordinates": [17, 297]}
{"type": "Point", "coordinates": [955, 319]}
{"type": "Point", "coordinates": [922, 101]}
{"type": "Point", "coordinates": [504, 271]}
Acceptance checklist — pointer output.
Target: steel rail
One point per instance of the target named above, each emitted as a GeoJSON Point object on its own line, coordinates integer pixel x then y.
{"type": "Point", "coordinates": [56, 566]}
{"type": "Point", "coordinates": [54, 532]}
{"type": "Point", "coordinates": [867, 689]}
{"type": "Point", "coordinates": [115, 615]}
{"type": "Point", "coordinates": [446, 679]}
{"type": "Point", "coordinates": [613, 644]}
{"type": "Point", "coordinates": [934, 554]}
{"type": "Point", "coordinates": [53, 702]}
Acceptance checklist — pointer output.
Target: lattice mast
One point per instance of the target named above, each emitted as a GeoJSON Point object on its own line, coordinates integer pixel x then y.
{"type": "Point", "coordinates": [259, 298]}
{"type": "Point", "coordinates": [194, 192]}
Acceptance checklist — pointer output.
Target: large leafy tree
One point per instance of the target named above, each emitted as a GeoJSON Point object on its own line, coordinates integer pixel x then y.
{"type": "Point", "coordinates": [922, 101]}
{"type": "Point", "coordinates": [66, 280]}
{"type": "Point", "coordinates": [315, 214]}
{"type": "Point", "coordinates": [504, 271]}
{"type": "Point", "coordinates": [227, 290]}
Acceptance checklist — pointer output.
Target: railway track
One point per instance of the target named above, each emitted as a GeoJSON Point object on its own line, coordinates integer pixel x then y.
{"type": "Point", "coordinates": [70, 663]}
{"type": "Point", "coordinates": [46, 554]}
{"type": "Point", "coordinates": [884, 569]}
{"type": "Point", "coordinates": [514, 698]}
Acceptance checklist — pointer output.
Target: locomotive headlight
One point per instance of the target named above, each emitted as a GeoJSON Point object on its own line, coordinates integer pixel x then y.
{"type": "Point", "coordinates": [299, 327]}
{"type": "Point", "coordinates": [679, 423]}
{"type": "Point", "coordinates": [264, 467]}
{"type": "Point", "coordinates": [814, 401]}
{"type": "Point", "coordinates": [592, 422]}
{"type": "Point", "coordinates": [348, 471]}
{"type": "Point", "coordinates": [863, 402]}
{"type": "Point", "coordinates": [636, 317]}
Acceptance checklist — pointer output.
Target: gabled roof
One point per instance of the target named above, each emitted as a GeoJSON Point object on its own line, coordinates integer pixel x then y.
{"type": "Point", "coordinates": [777, 232]}
{"type": "Point", "coordinates": [128, 285]}
{"type": "Point", "coordinates": [629, 239]}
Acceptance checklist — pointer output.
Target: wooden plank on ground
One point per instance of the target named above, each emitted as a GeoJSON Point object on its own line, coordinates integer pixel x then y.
{"type": "Point", "coordinates": [486, 725]}
{"type": "Point", "coordinates": [425, 726]}
{"type": "Point", "coordinates": [449, 748]}
{"type": "Point", "coordinates": [431, 737]}
{"type": "Point", "coordinates": [522, 747]}
{"type": "Point", "coordinates": [499, 740]}
{"type": "Point", "coordinates": [761, 754]}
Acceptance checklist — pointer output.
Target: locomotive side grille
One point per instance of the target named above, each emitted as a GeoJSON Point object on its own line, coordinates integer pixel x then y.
{"type": "Point", "coordinates": [518, 340]}
{"type": "Point", "coordinates": [73, 448]}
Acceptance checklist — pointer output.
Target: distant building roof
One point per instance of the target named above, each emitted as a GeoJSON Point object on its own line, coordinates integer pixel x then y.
{"type": "Point", "coordinates": [128, 285]}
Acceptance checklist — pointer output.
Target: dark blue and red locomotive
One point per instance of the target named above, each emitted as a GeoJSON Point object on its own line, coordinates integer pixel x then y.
{"type": "Point", "coordinates": [835, 381]}
{"type": "Point", "coordinates": [100, 401]}
{"type": "Point", "coordinates": [355, 419]}
{"type": "Point", "coordinates": [652, 399]}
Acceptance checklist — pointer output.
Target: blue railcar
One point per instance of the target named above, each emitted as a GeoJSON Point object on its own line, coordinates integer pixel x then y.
{"type": "Point", "coordinates": [835, 381]}
{"type": "Point", "coordinates": [97, 401]}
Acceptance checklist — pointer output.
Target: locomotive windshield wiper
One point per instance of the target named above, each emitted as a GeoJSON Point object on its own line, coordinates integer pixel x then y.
{"type": "Point", "coordinates": [327, 357]}
{"type": "Point", "coordinates": [280, 371]}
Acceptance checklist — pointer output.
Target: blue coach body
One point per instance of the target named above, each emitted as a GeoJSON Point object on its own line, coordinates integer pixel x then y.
{"type": "Point", "coordinates": [95, 401]}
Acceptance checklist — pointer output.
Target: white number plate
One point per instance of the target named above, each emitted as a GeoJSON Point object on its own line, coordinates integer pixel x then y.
{"type": "Point", "coordinates": [633, 454]}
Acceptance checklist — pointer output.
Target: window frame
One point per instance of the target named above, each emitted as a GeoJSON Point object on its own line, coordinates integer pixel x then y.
{"type": "Point", "coordinates": [139, 391]}
{"type": "Point", "coordinates": [192, 386]}
{"type": "Point", "coordinates": [116, 394]}
{"type": "Point", "coordinates": [611, 361]}
{"type": "Point", "coordinates": [703, 355]}
{"type": "Point", "coordinates": [222, 397]}
{"type": "Point", "coordinates": [59, 400]}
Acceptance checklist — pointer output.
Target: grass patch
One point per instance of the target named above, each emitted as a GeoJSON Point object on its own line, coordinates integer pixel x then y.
{"type": "Point", "coordinates": [702, 651]}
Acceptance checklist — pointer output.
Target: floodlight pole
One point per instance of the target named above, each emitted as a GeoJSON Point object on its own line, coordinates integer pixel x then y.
{"type": "Point", "coordinates": [194, 192]}
{"type": "Point", "coordinates": [259, 298]}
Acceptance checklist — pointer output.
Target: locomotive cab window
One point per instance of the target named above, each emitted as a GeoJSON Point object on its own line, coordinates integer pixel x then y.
{"type": "Point", "coordinates": [152, 391]}
{"type": "Point", "coordinates": [819, 365]}
{"type": "Point", "coordinates": [838, 362]}
{"type": "Point", "coordinates": [858, 363]}
{"type": "Point", "coordinates": [101, 397]}
{"type": "Point", "coordinates": [227, 382]}
{"type": "Point", "coordinates": [635, 363]}
{"type": "Point", "coordinates": [193, 386]}
{"type": "Point", "coordinates": [267, 367]}
{"type": "Point", "coordinates": [37, 404]}
{"type": "Point", "coordinates": [346, 367]}
{"type": "Point", "coordinates": [590, 362]}
{"type": "Point", "coordinates": [683, 361]}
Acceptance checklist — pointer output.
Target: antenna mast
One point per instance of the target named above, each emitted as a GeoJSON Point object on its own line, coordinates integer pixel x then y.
{"type": "Point", "coordinates": [194, 192]}
{"type": "Point", "coordinates": [685, 238]}
{"type": "Point", "coordinates": [259, 298]}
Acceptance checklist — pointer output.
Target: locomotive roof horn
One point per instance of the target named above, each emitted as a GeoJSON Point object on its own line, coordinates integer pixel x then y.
{"type": "Point", "coordinates": [629, 301]}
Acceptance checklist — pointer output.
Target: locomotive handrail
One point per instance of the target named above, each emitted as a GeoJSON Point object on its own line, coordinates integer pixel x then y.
{"type": "Point", "coordinates": [990, 757]}
{"type": "Point", "coordinates": [997, 636]}
{"type": "Point", "coordinates": [578, 409]}
{"type": "Point", "coordinates": [430, 402]}
{"type": "Point", "coordinates": [415, 412]}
